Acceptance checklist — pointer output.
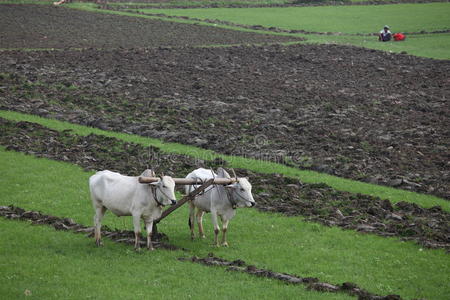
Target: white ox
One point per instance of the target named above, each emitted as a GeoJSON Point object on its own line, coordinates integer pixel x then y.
{"type": "Point", "coordinates": [220, 200]}
{"type": "Point", "coordinates": [125, 196]}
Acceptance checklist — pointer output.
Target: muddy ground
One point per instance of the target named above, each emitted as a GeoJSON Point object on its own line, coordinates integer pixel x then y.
{"type": "Point", "coordinates": [273, 193]}
{"type": "Point", "coordinates": [356, 113]}
{"type": "Point", "coordinates": [42, 26]}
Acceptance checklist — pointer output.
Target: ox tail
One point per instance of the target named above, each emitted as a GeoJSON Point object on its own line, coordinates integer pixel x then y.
{"type": "Point", "coordinates": [189, 223]}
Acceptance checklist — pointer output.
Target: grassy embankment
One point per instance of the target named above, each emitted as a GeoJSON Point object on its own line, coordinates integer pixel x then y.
{"type": "Point", "coordinates": [395, 195]}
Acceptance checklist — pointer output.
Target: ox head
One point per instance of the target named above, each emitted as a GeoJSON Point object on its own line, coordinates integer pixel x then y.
{"type": "Point", "coordinates": [165, 190]}
{"type": "Point", "coordinates": [241, 191]}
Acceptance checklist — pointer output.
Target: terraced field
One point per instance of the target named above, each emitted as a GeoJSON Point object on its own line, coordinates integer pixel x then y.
{"type": "Point", "coordinates": [336, 159]}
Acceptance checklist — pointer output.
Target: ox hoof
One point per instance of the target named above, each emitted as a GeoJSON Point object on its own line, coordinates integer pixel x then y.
{"type": "Point", "coordinates": [99, 243]}
{"type": "Point", "coordinates": [137, 249]}
{"type": "Point", "coordinates": [225, 244]}
{"type": "Point", "coordinates": [203, 236]}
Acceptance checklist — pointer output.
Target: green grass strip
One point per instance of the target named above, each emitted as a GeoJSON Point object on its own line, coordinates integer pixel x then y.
{"type": "Point", "coordinates": [48, 263]}
{"type": "Point", "coordinates": [202, 3]}
{"type": "Point", "coordinates": [345, 19]}
{"type": "Point", "coordinates": [342, 184]}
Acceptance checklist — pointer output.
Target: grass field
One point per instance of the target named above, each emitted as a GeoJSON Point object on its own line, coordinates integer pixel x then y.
{"type": "Point", "coordinates": [380, 265]}
{"type": "Point", "coordinates": [345, 19]}
{"type": "Point", "coordinates": [58, 265]}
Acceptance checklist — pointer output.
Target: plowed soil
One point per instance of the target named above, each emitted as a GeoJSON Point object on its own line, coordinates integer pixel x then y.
{"type": "Point", "coordinates": [274, 193]}
{"type": "Point", "coordinates": [361, 114]}
{"type": "Point", "coordinates": [42, 26]}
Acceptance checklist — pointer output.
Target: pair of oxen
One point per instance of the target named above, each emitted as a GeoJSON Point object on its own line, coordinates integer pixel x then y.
{"type": "Point", "coordinates": [126, 196]}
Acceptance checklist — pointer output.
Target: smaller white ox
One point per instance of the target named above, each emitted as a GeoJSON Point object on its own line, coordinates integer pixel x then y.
{"type": "Point", "coordinates": [125, 196]}
{"type": "Point", "coordinates": [220, 200]}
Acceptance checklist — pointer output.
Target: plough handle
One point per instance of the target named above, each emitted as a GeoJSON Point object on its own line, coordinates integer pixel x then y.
{"type": "Point", "coordinates": [185, 199]}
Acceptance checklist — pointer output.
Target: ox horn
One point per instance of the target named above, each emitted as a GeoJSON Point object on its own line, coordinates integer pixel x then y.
{"type": "Point", "coordinates": [234, 174]}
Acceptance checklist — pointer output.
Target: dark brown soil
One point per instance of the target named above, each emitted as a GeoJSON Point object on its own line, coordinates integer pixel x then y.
{"type": "Point", "coordinates": [67, 224]}
{"type": "Point", "coordinates": [273, 193]}
{"type": "Point", "coordinates": [311, 282]}
{"type": "Point", "coordinates": [361, 114]}
{"type": "Point", "coordinates": [43, 26]}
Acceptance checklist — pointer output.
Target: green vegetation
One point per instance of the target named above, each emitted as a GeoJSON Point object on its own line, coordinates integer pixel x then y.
{"type": "Point", "coordinates": [345, 19]}
{"type": "Point", "coordinates": [395, 195]}
{"type": "Point", "coordinates": [203, 3]}
{"type": "Point", "coordinates": [48, 263]}
{"type": "Point", "coordinates": [43, 263]}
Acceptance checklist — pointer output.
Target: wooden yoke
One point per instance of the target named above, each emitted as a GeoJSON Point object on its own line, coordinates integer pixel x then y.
{"type": "Point", "coordinates": [190, 181]}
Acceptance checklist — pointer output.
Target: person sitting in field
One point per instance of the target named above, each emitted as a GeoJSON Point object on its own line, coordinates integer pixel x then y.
{"type": "Point", "coordinates": [385, 34]}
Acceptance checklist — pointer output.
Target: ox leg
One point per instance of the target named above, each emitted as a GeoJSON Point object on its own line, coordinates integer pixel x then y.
{"type": "Point", "coordinates": [216, 228]}
{"type": "Point", "coordinates": [191, 218]}
{"type": "Point", "coordinates": [99, 213]}
{"type": "Point", "coordinates": [224, 232]}
{"type": "Point", "coordinates": [200, 214]}
{"type": "Point", "coordinates": [137, 232]}
{"type": "Point", "coordinates": [149, 228]}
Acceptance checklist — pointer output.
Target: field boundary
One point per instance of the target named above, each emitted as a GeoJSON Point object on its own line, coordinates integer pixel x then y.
{"type": "Point", "coordinates": [272, 29]}
{"type": "Point", "coordinates": [306, 3]}
{"type": "Point", "coordinates": [265, 167]}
